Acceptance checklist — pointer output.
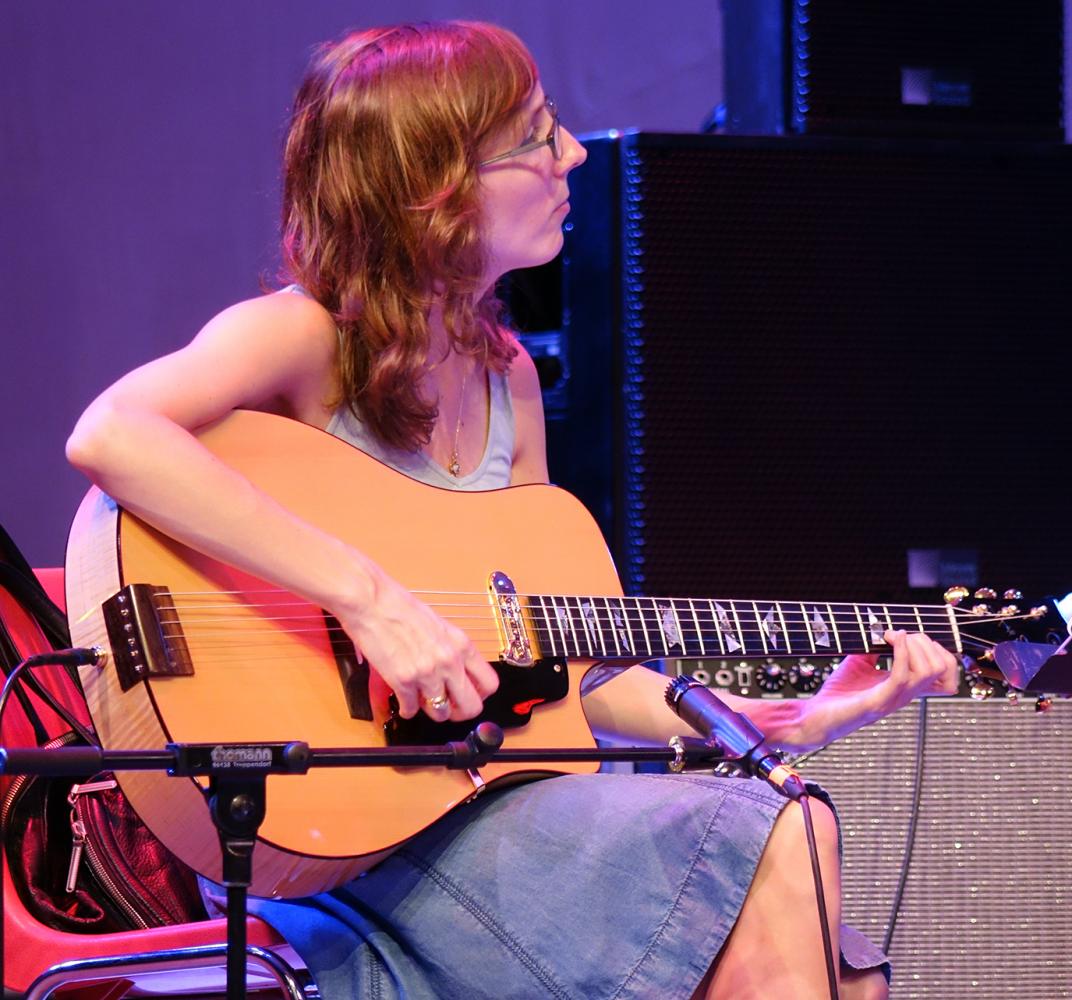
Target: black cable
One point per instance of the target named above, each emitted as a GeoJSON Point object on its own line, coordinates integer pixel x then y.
{"type": "Point", "coordinates": [910, 833]}
{"type": "Point", "coordinates": [820, 897]}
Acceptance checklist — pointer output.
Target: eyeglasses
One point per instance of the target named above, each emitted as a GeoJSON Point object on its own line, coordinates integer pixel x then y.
{"type": "Point", "coordinates": [526, 147]}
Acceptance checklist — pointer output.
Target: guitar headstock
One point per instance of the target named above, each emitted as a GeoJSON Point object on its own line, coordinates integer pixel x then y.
{"type": "Point", "coordinates": [1023, 646]}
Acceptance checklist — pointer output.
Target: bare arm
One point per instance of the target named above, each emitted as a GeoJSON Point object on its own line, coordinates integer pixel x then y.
{"type": "Point", "coordinates": [632, 707]}
{"type": "Point", "coordinates": [277, 354]}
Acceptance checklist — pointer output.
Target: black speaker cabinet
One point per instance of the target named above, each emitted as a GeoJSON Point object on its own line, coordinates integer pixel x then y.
{"type": "Point", "coordinates": [894, 68]}
{"type": "Point", "coordinates": [987, 871]}
{"type": "Point", "coordinates": [787, 362]}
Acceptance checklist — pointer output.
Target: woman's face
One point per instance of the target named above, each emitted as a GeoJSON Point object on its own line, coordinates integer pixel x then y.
{"type": "Point", "coordinates": [525, 197]}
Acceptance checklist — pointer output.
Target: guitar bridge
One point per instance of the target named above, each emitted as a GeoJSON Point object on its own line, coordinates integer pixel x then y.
{"type": "Point", "coordinates": [143, 644]}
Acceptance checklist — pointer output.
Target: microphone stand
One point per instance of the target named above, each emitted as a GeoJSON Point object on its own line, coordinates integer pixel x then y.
{"type": "Point", "coordinates": [237, 799]}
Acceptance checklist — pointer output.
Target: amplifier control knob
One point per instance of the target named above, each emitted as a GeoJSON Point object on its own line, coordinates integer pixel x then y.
{"type": "Point", "coordinates": [805, 677]}
{"type": "Point", "coordinates": [770, 677]}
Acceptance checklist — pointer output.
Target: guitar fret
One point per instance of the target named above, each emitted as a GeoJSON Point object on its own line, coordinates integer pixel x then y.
{"type": "Point", "coordinates": [798, 635]}
{"type": "Point", "coordinates": [661, 626]}
{"type": "Point", "coordinates": [559, 615]}
{"type": "Point", "coordinates": [574, 624]}
{"type": "Point", "coordinates": [592, 627]}
{"type": "Point", "coordinates": [863, 631]}
{"type": "Point", "coordinates": [699, 631]}
{"type": "Point", "coordinates": [546, 627]}
{"type": "Point", "coordinates": [580, 628]}
{"type": "Point", "coordinates": [643, 625]}
{"type": "Point", "coordinates": [785, 631]}
{"type": "Point", "coordinates": [680, 630]}
{"type": "Point", "coordinates": [740, 631]}
{"type": "Point", "coordinates": [807, 628]}
{"type": "Point", "coordinates": [762, 628]}
{"type": "Point", "coordinates": [670, 626]}
{"type": "Point", "coordinates": [836, 630]}
{"type": "Point", "coordinates": [919, 619]}
{"type": "Point", "coordinates": [656, 622]}
{"type": "Point", "coordinates": [718, 631]}
{"type": "Point", "coordinates": [611, 625]}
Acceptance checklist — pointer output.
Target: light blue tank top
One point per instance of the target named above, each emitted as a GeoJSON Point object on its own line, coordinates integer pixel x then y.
{"type": "Point", "coordinates": [493, 471]}
{"type": "Point", "coordinates": [495, 465]}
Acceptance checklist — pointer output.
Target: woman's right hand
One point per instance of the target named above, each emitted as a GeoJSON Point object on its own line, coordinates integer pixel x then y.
{"type": "Point", "coordinates": [418, 654]}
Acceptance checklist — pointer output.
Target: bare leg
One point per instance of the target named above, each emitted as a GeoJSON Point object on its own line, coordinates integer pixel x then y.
{"type": "Point", "coordinates": [868, 985]}
{"type": "Point", "coordinates": [775, 948]}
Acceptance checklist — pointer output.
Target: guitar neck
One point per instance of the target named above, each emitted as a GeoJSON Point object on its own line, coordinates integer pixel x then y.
{"type": "Point", "coordinates": [609, 628]}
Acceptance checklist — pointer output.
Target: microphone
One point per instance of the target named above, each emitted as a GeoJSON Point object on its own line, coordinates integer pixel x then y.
{"type": "Point", "coordinates": [733, 733]}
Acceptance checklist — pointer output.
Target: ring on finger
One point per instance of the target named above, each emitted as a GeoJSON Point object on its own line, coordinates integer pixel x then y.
{"type": "Point", "coordinates": [438, 703]}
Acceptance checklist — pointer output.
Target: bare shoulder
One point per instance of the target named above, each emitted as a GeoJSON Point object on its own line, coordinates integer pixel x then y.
{"type": "Point", "coordinates": [524, 379]}
{"type": "Point", "coordinates": [273, 323]}
{"type": "Point", "coordinates": [276, 352]}
{"type": "Point", "coordinates": [530, 444]}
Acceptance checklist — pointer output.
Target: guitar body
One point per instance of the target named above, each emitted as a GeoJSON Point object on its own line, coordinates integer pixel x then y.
{"type": "Point", "coordinates": [264, 667]}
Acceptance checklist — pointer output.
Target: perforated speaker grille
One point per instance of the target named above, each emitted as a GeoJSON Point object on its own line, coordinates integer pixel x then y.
{"type": "Point", "coordinates": [833, 352]}
{"type": "Point", "coordinates": [985, 911]}
{"type": "Point", "coordinates": [988, 69]}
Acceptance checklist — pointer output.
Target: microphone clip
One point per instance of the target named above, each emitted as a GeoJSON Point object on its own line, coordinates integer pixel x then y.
{"type": "Point", "coordinates": [691, 753]}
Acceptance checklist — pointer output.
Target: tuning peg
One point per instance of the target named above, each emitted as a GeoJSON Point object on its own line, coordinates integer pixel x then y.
{"type": "Point", "coordinates": [954, 595]}
{"type": "Point", "coordinates": [1043, 703]}
{"type": "Point", "coordinates": [1012, 696]}
{"type": "Point", "coordinates": [1009, 611]}
{"type": "Point", "coordinates": [1040, 612]}
{"type": "Point", "coordinates": [985, 594]}
{"type": "Point", "coordinates": [981, 691]}
{"type": "Point", "coordinates": [988, 655]}
{"type": "Point", "coordinates": [1012, 595]}
{"type": "Point", "coordinates": [980, 609]}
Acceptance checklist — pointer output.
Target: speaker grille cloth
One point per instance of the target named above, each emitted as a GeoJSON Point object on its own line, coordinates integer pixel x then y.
{"type": "Point", "coordinates": [837, 352]}
{"type": "Point", "coordinates": [985, 912]}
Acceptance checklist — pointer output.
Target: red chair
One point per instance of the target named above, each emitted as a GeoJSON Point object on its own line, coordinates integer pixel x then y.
{"type": "Point", "coordinates": [179, 960]}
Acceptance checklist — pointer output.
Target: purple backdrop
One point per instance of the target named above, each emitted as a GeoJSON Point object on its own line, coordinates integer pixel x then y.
{"type": "Point", "coordinates": [139, 162]}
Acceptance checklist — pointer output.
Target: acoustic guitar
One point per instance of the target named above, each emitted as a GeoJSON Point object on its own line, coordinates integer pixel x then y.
{"type": "Point", "coordinates": [199, 652]}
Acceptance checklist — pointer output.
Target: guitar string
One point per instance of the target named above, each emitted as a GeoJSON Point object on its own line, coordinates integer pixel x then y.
{"type": "Point", "coordinates": [849, 625]}
{"type": "Point", "coordinates": [554, 637]}
{"type": "Point", "coordinates": [729, 602]}
{"type": "Point", "coordinates": [632, 603]}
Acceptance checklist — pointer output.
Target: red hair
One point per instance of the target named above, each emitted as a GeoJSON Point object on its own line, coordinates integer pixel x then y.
{"type": "Point", "coordinates": [381, 210]}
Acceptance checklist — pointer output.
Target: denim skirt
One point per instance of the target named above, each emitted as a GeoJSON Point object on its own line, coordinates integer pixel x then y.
{"type": "Point", "coordinates": [580, 887]}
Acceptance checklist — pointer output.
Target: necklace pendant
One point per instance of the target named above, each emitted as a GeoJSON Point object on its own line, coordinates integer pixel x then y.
{"type": "Point", "coordinates": [454, 467]}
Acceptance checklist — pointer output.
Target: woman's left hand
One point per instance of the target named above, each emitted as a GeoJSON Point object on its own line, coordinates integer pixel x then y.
{"type": "Point", "coordinates": [857, 693]}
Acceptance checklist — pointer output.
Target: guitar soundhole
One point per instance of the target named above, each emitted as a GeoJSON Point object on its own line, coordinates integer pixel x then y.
{"type": "Point", "coordinates": [521, 689]}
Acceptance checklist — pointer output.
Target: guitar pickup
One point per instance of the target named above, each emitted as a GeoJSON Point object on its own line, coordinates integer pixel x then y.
{"type": "Point", "coordinates": [145, 643]}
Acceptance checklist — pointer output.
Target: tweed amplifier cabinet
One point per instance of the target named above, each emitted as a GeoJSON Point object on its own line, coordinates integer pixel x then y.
{"type": "Point", "coordinates": [790, 361]}
{"type": "Point", "coordinates": [957, 827]}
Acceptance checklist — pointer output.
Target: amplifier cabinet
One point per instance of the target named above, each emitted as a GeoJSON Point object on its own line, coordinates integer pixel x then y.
{"type": "Point", "coordinates": [792, 360]}
{"type": "Point", "coordinates": [985, 910]}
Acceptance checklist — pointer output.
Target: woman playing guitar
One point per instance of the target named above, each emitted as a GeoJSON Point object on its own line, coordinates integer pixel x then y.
{"type": "Point", "coordinates": [422, 163]}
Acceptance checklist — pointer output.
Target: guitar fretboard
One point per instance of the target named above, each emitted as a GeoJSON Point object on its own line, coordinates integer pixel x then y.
{"type": "Point", "coordinates": [607, 628]}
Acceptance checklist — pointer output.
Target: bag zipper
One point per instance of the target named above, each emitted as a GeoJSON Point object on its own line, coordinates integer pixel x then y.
{"type": "Point", "coordinates": [83, 848]}
{"type": "Point", "coordinates": [78, 827]}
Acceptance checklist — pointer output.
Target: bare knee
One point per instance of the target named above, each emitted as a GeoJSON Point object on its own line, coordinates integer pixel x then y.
{"type": "Point", "coordinates": [867, 985]}
{"type": "Point", "coordinates": [789, 832]}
